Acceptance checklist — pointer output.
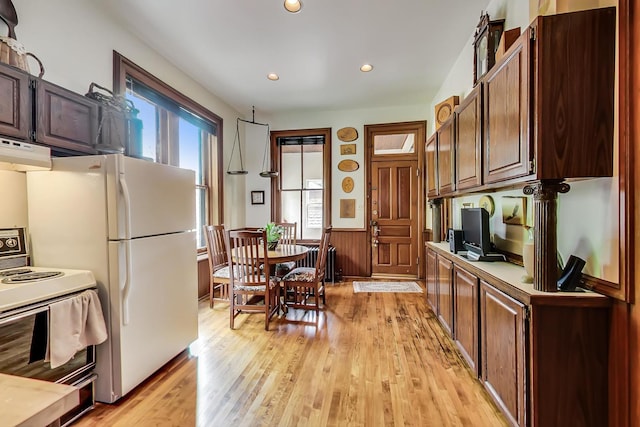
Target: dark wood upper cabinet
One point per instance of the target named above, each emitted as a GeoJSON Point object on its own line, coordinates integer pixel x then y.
{"type": "Point", "coordinates": [573, 87]}
{"type": "Point", "coordinates": [446, 158]}
{"type": "Point", "coordinates": [15, 103]}
{"type": "Point", "coordinates": [548, 104]}
{"type": "Point", "coordinates": [468, 141]}
{"type": "Point", "coordinates": [431, 149]}
{"type": "Point", "coordinates": [506, 116]}
{"type": "Point", "coordinates": [65, 121]}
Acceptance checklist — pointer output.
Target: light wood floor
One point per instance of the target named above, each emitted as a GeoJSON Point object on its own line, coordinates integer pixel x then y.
{"type": "Point", "coordinates": [377, 359]}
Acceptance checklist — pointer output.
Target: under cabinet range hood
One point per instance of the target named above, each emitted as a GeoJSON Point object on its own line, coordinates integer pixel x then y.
{"type": "Point", "coordinates": [22, 156]}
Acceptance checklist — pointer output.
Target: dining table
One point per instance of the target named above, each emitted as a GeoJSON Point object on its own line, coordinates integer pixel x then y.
{"type": "Point", "coordinates": [284, 253]}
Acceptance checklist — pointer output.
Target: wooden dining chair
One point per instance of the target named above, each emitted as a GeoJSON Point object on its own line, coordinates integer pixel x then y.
{"type": "Point", "coordinates": [251, 288]}
{"type": "Point", "coordinates": [303, 286]}
{"type": "Point", "coordinates": [218, 263]}
{"type": "Point", "coordinates": [289, 237]}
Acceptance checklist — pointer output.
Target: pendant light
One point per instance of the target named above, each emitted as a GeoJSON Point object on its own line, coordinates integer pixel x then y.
{"type": "Point", "coordinates": [266, 173]}
{"type": "Point", "coordinates": [236, 141]}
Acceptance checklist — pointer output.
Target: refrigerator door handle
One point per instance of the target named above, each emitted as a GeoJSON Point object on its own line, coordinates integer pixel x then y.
{"type": "Point", "coordinates": [126, 288]}
{"type": "Point", "coordinates": [127, 206]}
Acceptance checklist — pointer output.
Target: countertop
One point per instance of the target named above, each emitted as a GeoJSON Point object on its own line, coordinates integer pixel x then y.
{"type": "Point", "coordinates": [508, 278]}
{"type": "Point", "coordinates": [29, 402]}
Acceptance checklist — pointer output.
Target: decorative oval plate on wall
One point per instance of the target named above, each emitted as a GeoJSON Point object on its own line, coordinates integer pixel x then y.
{"type": "Point", "coordinates": [347, 134]}
{"type": "Point", "coordinates": [347, 184]}
{"type": "Point", "coordinates": [348, 165]}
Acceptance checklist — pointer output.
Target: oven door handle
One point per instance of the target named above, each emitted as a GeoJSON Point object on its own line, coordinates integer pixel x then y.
{"type": "Point", "coordinates": [24, 314]}
{"type": "Point", "coordinates": [83, 382]}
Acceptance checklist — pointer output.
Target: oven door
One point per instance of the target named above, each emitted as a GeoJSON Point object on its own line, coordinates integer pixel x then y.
{"type": "Point", "coordinates": [23, 342]}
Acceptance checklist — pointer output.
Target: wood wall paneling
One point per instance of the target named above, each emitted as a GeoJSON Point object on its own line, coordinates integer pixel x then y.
{"type": "Point", "coordinates": [203, 277]}
{"type": "Point", "coordinates": [352, 253]}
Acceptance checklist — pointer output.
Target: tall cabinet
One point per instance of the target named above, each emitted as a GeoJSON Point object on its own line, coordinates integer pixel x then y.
{"type": "Point", "coordinates": [543, 115]}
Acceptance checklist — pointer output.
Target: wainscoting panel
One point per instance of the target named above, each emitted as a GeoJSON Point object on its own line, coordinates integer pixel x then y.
{"type": "Point", "coordinates": [352, 252]}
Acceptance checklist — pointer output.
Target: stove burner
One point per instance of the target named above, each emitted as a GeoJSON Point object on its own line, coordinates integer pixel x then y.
{"type": "Point", "coordinates": [13, 272]}
{"type": "Point", "coordinates": [32, 276]}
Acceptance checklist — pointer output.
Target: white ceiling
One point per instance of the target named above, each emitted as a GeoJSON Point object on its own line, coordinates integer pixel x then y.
{"type": "Point", "coordinates": [230, 46]}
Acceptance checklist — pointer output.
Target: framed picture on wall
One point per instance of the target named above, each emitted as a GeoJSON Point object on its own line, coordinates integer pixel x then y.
{"type": "Point", "coordinates": [257, 197]}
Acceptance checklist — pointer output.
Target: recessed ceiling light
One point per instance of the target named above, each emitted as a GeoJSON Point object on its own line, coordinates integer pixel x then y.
{"type": "Point", "coordinates": [366, 68]}
{"type": "Point", "coordinates": [273, 76]}
{"type": "Point", "coordinates": [293, 6]}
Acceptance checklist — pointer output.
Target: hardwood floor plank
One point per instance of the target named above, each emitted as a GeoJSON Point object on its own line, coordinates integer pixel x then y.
{"type": "Point", "coordinates": [374, 359]}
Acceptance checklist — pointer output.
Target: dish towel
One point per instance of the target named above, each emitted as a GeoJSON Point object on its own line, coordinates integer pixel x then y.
{"type": "Point", "coordinates": [74, 323]}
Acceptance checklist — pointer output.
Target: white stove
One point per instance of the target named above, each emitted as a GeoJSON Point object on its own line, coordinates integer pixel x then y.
{"type": "Point", "coordinates": [22, 285]}
{"type": "Point", "coordinates": [25, 288]}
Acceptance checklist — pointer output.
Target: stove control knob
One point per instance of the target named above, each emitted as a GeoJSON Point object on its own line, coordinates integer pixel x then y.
{"type": "Point", "coordinates": [11, 242]}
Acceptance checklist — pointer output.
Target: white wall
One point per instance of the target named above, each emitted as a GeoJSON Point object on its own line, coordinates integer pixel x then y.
{"type": "Point", "coordinates": [75, 41]}
{"type": "Point", "coordinates": [13, 199]}
{"type": "Point", "coordinates": [337, 119]}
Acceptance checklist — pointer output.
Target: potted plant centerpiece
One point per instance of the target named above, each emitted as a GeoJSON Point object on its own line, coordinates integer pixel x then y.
{"type": "Point", "coordinates": [273, 232]}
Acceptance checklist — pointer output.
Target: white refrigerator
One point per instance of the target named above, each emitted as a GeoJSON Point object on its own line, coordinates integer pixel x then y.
{"type": "Point", "coordinates": [131, 222]}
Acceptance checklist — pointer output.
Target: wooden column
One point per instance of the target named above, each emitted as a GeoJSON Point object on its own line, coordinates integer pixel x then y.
{"type": "Point", "coordinates": [436, 216]}
{"type": "Point", "coordinates": [545, 235]}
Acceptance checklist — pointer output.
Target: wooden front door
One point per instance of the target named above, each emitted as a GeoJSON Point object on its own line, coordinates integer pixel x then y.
{"type": "Point", "coordinates": [395, 197]}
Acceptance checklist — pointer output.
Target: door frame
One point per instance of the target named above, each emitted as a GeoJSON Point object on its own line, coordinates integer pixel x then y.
{"type": "Point", "coordinates": [420, 129]}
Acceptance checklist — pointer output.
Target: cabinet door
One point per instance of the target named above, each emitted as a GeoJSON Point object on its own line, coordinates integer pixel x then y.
{"type": "Point", "coordinates": [468, 151]}
{"type": "Point", "coordinates": [465, 291]}
{"type": "Point", "coordinates": [432, 280]}
{"type": "Point", "coordinates": [503, 347]}
{"type": "Point", "coordinates": [445, 294]}
{"type": "Point", "coordinates": [65, 121]}
{"type": "Point", "coordinates": [15, 111]}
{"type": "Point", "coordinates": [445, 157]}
{"type": "Point", "coordinates": [506, 116]}
{"type": "Point", "coordinates": [431, 148]}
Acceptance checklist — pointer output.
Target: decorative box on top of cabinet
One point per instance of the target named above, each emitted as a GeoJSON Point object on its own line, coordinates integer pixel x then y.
{"type": "Point", "coordinates": [548, 104]}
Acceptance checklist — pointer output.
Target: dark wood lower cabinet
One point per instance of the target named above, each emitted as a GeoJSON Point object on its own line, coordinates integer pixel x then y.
{"type": "Point", "coordinates": [541, 356]}
{"type": "Point", "coordinates": [465, 308]}
{"type": "Point", "coordinates": [445, 294]}
{"type": "Point", "coordinates": [432, 280]}
{"type": "Point", "coordinates": [503, 351]}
